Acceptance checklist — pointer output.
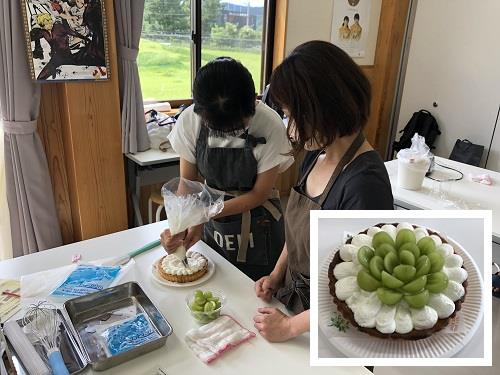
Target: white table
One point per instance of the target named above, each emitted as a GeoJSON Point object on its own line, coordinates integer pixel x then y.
{"type": "Point", "coordinates": [147, 168]}
{"type": "Point", "coordinates": [466, 232]}
{"type": "Point", "coordinates": [463, 194]}
{"type": "Point", "coordinates": [254, 357]}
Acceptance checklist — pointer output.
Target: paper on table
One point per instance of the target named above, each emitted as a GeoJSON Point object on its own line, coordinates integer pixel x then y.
{"type": "Point", "coordinates": [9, 305]}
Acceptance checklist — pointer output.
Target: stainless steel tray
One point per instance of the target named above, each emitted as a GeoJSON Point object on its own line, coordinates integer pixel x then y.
{"type": "Point", "coordinates": [108, 306]}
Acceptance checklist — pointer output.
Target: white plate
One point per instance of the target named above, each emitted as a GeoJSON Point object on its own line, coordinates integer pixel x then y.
{"type": "Point", "coordinates": [210, 272]}
{"type": "Point", "coordinates": [439, 345]}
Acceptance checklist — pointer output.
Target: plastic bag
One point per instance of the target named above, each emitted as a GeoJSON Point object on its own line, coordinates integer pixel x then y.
{"type": "Point", "coordinates": [417, 152]}
{"type": "Point", "coordinates": [189, 203]}
{"type": "Point", "coordinates": [159, 126]}
{"type": "Point", "coordinates": [86, 279]}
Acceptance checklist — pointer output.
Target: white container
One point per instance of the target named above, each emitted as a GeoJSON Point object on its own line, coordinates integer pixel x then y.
{"type": "Point", "coordinates": [411, 172]}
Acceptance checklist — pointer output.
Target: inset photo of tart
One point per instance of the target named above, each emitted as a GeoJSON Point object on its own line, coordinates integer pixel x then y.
{"type": "Point", "coordinates": [400, 287]}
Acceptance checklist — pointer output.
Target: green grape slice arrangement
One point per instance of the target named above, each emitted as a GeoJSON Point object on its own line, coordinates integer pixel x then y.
{"type": "Point", "coordinates": [401, 269]}
{"type": "Point", "coordinates": [204, 306]}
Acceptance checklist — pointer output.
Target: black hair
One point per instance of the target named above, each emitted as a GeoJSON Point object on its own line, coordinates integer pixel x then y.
{"type": "Point", "coordinates": [224, 95]}
{"type": "Point", "coordinates": [325, 91]}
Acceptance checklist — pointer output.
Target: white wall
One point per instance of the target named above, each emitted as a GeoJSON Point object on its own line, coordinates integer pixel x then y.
{"type": "Point", "coordinates": [454, 60]}
{"type": "Point", "coordinates": [312, 20]}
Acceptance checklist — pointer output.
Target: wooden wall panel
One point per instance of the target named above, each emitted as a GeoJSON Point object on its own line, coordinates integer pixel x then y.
{"type": "Point", "coordinates": [80, 127]}
{"type": "Point", "coordinates": [383, 75]}
{"type": "Point", "coordinates": [49, 129]}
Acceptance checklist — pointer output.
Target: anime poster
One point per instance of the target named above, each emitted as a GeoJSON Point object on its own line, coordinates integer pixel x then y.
{"type": "Point", "coordinates": [350, 26]}
{"type": "Point", "coordinates": [66, 39]}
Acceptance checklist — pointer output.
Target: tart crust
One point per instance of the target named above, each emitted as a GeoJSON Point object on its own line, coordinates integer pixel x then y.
{"type": "Point", "coordinates": [412, 335]}
{"type": "Point", "coordinates": [180, 278]}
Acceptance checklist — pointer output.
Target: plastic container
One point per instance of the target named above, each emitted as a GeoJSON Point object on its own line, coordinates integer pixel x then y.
{"type": "Point", "coordinates": [413, 164]}
{"type": "Point", "coordinates": [204, 317]}
{"type": "Point", "coordinates": [411, 172]}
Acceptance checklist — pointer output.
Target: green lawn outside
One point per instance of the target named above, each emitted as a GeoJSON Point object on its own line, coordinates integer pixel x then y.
{"type": "Point", "coordinates": [165, 69]}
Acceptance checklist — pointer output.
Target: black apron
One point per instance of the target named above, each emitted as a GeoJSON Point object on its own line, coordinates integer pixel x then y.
{"type": "Point", "coordinates": [295, 292]}
{"type": "Point", "coordinates": [253, 240]}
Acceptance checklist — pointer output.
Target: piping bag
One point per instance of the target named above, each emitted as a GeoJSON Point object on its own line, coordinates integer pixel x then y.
{"type": "Point", "coordinates": [189, 203]}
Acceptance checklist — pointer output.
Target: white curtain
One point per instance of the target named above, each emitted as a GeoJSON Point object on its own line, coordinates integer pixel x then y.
{"type": "Point", "coordinates": [5, 237]}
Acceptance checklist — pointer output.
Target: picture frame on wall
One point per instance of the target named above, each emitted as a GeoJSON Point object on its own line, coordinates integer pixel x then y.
{"type": "Point", "coordinates": [66, 40]}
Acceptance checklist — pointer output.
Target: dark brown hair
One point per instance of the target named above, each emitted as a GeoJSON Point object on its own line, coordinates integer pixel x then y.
{"type": "Point", "coordinates": [224, 95]}
{"type": "Point", "coordinates": [325, 91]}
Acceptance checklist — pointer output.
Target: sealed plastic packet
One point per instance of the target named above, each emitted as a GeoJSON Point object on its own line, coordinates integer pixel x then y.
{"type": "Point", "coordinates": [86, 279]}
{"type": "Point", "coordinates": [189, 203]}
{"type": "Point", "coordinates": [127, 334]}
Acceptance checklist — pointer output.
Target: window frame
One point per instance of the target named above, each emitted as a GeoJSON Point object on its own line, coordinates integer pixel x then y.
{"type": "Point", "coordinates": [196, 48]}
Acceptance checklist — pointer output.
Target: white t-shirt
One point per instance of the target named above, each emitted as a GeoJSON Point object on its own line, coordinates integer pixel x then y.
{"type": "Point", "coordinates": [265, 123]}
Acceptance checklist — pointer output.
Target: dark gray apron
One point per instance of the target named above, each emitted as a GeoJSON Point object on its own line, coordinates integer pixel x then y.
{"type": "Point", "coordinates": [253, 240]}
{"type": "Point", "coordinates": [295, 292]}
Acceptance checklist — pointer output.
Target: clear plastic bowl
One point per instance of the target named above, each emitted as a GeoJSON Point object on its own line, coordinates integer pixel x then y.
{"type": "Point", "coordinates": [203, 316]}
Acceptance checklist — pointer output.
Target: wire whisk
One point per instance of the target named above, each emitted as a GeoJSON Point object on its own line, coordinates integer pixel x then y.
{"type": "Point", "coordinates": [42, 321]}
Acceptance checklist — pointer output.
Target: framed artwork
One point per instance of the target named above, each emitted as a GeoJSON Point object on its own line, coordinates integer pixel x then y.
{"type": "Point", "coordinates": [66, 40]}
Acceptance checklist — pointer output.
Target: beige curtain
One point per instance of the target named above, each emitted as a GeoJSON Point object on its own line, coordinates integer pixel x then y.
{"type": "Point", "coordinates": [33, 218]}
{"type": "Point", "coordinates": [128, 15]}
{"type": "Point", "coordinates": [5, 237]}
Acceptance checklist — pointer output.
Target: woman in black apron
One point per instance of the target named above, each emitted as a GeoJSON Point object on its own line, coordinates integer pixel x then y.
{"type": "Point", "coordinates": [250, 230]}
{"type": "Point", "coordinates": [327, 99]}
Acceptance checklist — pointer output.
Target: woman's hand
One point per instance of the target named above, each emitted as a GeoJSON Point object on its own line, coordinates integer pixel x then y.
{"type": "Point", "coordinates": [273, 324]}
{"type": "Point", "coordinates": [266, 286]}
{"type": "Point", "coordinates": [187, 238]}
{"type": "Point", "coordinates": [171, 242]}
{"type": "Point", "coordinates": [193, 235]}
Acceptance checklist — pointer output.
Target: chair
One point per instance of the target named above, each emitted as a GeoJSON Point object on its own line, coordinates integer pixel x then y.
{"type": "Point", "coordinates": [155, 197]}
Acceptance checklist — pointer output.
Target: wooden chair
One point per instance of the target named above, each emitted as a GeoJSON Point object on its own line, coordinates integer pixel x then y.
{"type": "Point", "coordinates": [155, 197]}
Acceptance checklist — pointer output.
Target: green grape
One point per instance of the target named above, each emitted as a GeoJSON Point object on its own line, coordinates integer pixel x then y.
{"type": "Point", "coordinates": [423, 265]}
{"type": "Point", "coordinates": [195, 307]}
{"type": "Point", "coordinates": [217, 305]}
{"type": "Point", "coordinates": [200, 300]}
{"type": "Point", "coordinates": [437, 282]}
{"type": "Point", "coordinates": [437, 262]}
{"type": "Point", "coordinates": [419, 300]}
{"type": "Point", "coordinates": [384, 249]}
{"type": "Point", "coordinates": [404, 272]}
{"type": "Point", "coordinates": [390, 261]}
{"type": "Point", "coordinates": [388, 296]}
{"type": "Point", "coordinates": [405, 236]}
{"type": "Point", "coordinates": [208, 295]}
{"type": "Point", "coordinates": [426, 245]}
{"type": "Point", "coordinates": [416, 285]}
{"type": "Point", "coordinates": [376, 266]}
{"type": "Point", "coordinates": [411, 247]}
{"type": "Point", "coordinates": [381, 238]}
{"type": "Point", "coordinates": [407, 257]}
{"type": "Point", "coordinates": [390, 281]}
{"type": "Point", "coordinates": [209, 306]}
{"type": "Point", "coordinates": [367, 282]}
{"type": "Point", "coordinates": [365, 253]}
{"type": "Point", "coordinates": [198, 293]}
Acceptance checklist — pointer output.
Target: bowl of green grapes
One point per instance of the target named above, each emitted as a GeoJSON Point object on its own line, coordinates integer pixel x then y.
{"type": "Point", "coordinates": [205, 306]}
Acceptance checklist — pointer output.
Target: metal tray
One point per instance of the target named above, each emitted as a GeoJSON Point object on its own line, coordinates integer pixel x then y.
{"type": "Point", "coordinates": [108, 306]}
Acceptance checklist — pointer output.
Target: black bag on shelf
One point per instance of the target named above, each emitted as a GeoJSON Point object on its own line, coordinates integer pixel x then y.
{"type": "Point", "coordinates": [423, 123]}
{"type": "Point", "coordinates": [467, 152]}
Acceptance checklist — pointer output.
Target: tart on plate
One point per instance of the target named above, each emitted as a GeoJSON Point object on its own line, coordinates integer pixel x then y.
{"type": "Point", "coordinates": [171, 268]}
{"type": "Point", "coordinates": [398, 281]}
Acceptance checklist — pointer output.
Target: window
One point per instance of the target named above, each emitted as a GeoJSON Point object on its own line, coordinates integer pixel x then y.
{"type": "Point", "coordinates": [179, 36]}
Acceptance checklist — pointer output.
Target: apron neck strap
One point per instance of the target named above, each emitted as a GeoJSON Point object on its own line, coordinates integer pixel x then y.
{"type": "Point", "coordinates": [346, 158]}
